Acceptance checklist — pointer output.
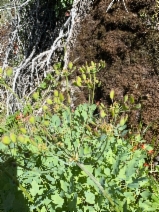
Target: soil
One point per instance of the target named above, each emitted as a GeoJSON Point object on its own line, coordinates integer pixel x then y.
{"type": "Point", "coordinates": [5, 31]}
{"type": "Point", "coordinates": [129, 45]}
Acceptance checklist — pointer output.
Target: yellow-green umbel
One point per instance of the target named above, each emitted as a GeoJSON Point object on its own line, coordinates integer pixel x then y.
{"type": "Point", "coordinates": [84, 77]}
{"type": "Point", "coordinates": [21, 139]}
{"type": "Point", "coordinates": [56, 93]}
{"type": "Point", "coordinates": [13, 137]}
{"type": "Point", "coordinates": [78, 81]}
{"type": "Point", "coordinates": [49, 101]}
{"type": "Point", "coordinates": [23, 130]}
{"type": "Point", "coordinates": [61, 97]}
{"type": "Point", "coordinates": [32, 120]}
{"type": "Point", "coordinates": [1, 71]}
{"type": "Point", "coordinates": [112, 94]}
{"type": "Point", "coordinates": [102, 114]}
{"type": "Point", "coordinates": [45, 107]}
{"type": "Point", "coordinates": [122, 121]}
{"type": "Point", "coordinates": [6, 140]}
{"type": "Point", "coordinates": [46, 123]}
{"type": "Point", "coordinates": [70, 65]}
{"type": "Point", "coordinates": [9, 72]}
{"type": "Point", "coordinates": [35, 95]}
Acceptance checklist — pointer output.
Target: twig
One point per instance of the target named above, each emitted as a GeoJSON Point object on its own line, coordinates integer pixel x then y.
{"type": "Point", "coordinates": [112, 2]}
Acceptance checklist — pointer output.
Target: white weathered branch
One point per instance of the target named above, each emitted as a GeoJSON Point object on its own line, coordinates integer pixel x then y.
{"type": "Point", "coordinates": [33, 61]}
{"type": "Point", "coordinates": [112, 2]}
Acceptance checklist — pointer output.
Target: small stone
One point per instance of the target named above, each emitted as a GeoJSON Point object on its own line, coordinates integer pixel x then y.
{"type": "Point", "coordinates": [157, 158]}
{"type": "Point", "coordinates": [155, 163]}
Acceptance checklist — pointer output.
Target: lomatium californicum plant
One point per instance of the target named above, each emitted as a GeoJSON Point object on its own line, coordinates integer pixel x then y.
{"type": "Point", "coordinates": [81, 159]}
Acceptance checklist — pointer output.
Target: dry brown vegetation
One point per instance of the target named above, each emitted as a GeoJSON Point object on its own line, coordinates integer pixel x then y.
{"type": "Point", "coordinates": [131, 50]}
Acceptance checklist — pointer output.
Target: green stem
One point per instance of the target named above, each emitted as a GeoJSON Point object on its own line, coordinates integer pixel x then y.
{"type": "Point", "coordinates": [4, 129]}
{"type": "Point", "coordinates": [68, 96]}
{"type": "Point", "coordinates": [98, 185]}
{"type": "Point", "coordinates": [90, 78]}
{"type": "Point", "coordinates": [20, 186]}
{"type": "Point", "coordinates": [67, 85]}
{"type": "Point", "coordinates": [89, 95]}
{"type": "Point", "coordinates": [106, 144]}
{"type": "Point", "coordinates": [94, 84]}
{"type": "Point", "coordinates": [14, 94]}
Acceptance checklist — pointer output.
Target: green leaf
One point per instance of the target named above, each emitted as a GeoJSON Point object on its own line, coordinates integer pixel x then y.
{"type": "Point", "coordinates": [77, 113]}
{"type": "Point", "coordinates": [155, 198]}
{"type": "Point", "coordinates": [147, 205]}
{"type": "Point", "coordinates": [116, 166]}
{"type": "Point", "coordinates": [35, 188]}
{"type": "Point", "coordinates": [57, 200]}
{"type": "Point", "coordinates": [88, 208]}
{"type": "Point", "coordinates": [72, 204]}
{"type": "Point", "coordinates": [64, 185]}
{"type": "Point", "coordinates": [89, 168]}
{"type": "Point", "coordinates": [43, 209]}
{"type": "Point", "coordinates": [87, 150]}
{"type": "Point", "coordinates": [107, 171]}
{"type": "Point", "coordinates": [129, 197]}
{"type": "Point", "coordinates": [3, 147]}
{"type": "Point", "coordinates": [119, 141]}
{"type": "Point", "coordinates": [102, 138]}
{"type": "Point", "coordinates": [84, 115]}
{"type": "Point", "coordinates": [141, 181]}
{"type": "Point", "coordinates": [47, 201]}
{"type": "Point", "coordinates": [66, 116]}
{"type": "Point", "coordinates": [124, 156]}
{"type": "Point", "coordinates": [81, 152]}
{"type": "Point", "coordinates": [122, 128]}
{"type": "Point", "coordinates": [51, 179]}
{"type": "Point", "coordinates": [8, 202]}
{"type": "Point", "coordinates": [43, 85]}
{"type": "Point", "coordinates": [98, 171]}
{"type": "Point", "coordinates": [110, 157]}
{"type": "Point", "coordinates": [90, 183]}
{"type": "Point", "coordinates": [121, 175]}
{"type": "Point", "coordinates": [90, 197]}
{"type": "Point", "coordinates": [133, 185]}
{"type": "Point", "coordinates": [145, 194]}
{"type": "Point", "coordinates": [55, 121]}
{"type": "Point", "coordinates": [131, 168]}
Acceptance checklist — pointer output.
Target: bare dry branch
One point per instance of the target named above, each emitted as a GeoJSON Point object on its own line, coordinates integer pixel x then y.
{"type": "Point", "coordinates": [37, 41]}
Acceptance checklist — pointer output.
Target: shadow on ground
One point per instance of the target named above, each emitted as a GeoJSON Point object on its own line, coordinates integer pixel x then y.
{"type": "Point", "coordinates": [11, 198]}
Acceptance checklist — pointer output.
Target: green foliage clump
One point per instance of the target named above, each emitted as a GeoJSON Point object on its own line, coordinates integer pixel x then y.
{"type": "Point", "coordinates": [81, 159]}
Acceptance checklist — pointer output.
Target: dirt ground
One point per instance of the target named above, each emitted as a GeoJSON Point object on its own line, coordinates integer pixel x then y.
{"type": "Point", "coordinates": [130, 46]}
